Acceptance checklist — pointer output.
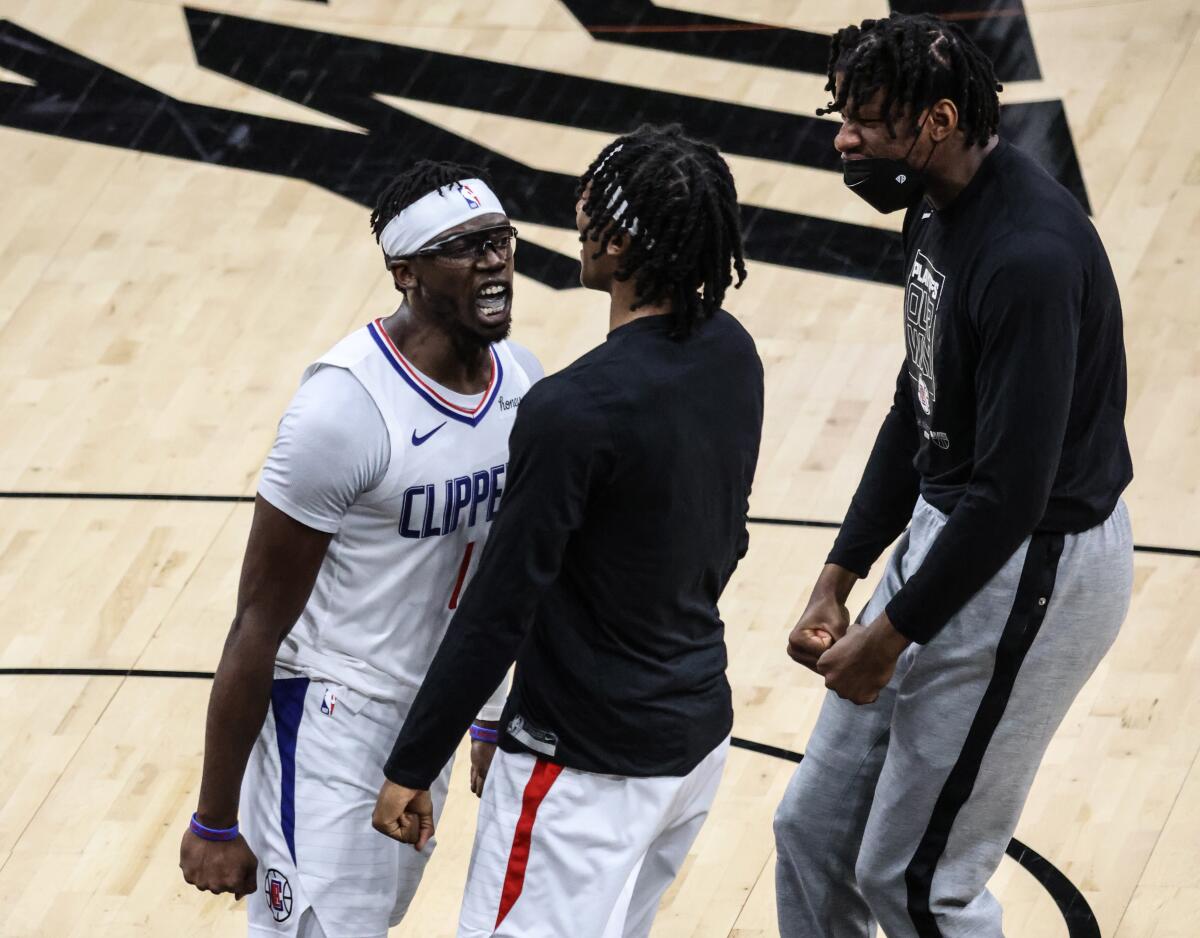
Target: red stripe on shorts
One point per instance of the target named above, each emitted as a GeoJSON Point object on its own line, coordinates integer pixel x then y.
{"type": "Point", "coordinates": [543, 776]}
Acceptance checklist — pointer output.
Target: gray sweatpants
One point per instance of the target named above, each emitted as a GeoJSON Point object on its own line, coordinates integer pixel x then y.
{"type": "Point", "coordinates": [901, 810]}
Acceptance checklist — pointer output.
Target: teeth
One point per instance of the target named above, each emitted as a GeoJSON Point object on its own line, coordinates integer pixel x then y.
{"type": "Point", "coordinates": [493, 291]}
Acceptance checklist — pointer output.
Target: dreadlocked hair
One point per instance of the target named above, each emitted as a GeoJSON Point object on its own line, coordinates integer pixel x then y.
{"type": "Point", "coordinates": [917, 60]}
{"type": "Point", "coordinates": [419, 180]}
{"type": "Point", "coordinates": [673, 199]}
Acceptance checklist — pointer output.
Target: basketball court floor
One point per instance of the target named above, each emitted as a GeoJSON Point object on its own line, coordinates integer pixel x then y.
{"type": "Point", "coordinates": [183, 227]}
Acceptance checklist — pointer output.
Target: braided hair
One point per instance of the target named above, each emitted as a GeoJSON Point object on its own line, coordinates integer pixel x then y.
{"type": "Point", "coordinates": [674, 200]}
{"type": "Point", "coordinates": [417, 181]}
{"type": "Point", "coordinates": [917, 60]}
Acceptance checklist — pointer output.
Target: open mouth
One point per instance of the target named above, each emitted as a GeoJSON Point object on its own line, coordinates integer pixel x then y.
{"type": "Point", "coordinates": [492, 300]}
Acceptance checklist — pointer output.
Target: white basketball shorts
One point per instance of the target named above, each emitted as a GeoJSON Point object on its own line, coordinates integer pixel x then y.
{"type": "Point", "coordinates": [559, 852]}
{"type": "Point", "coordinates": [307, 797]}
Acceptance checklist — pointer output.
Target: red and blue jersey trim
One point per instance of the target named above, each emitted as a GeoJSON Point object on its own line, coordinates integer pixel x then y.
{"type": "Point", "coordinates": [418, 383]}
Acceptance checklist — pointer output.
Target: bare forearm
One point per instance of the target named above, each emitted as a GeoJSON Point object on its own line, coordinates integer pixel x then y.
{"type": "Point", "coordinates": [834, 582]}
{"type": "Point", "coordinates": [241, 692]}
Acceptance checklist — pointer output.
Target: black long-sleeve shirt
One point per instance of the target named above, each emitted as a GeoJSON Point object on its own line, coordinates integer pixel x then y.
{"type": "Point", "coordinates": [623, 519]}
{"type": "Point", "coordinates": [1009, 408]}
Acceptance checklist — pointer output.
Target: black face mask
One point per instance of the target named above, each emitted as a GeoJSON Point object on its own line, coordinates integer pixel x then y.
{"type": "Point", "coordinates": [885, 184]}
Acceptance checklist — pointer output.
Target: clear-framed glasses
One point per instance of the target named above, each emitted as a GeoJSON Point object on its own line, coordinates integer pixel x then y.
{"type": "Point", "coordinates": [466, 249]}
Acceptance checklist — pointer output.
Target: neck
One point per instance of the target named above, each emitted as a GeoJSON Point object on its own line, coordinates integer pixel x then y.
{"type": "Point", "coordinates": [621, 299]}
{"type": "Point", "coordinates": [457, 361]}
{"type": "Point", "coordinates": [944, 186]}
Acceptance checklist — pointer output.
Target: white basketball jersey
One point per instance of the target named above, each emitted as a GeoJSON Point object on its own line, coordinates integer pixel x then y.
{"type": "Point", "coordinates": [405, 550]}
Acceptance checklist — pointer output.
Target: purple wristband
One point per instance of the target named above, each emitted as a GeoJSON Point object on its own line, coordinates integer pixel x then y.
{"type": "Point", "coordinates": [484, 734]}
{"type": "Point", "coordinates": [212, 833]}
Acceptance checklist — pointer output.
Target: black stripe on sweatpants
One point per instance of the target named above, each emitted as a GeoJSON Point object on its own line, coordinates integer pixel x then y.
{"type": "Point", "coordinates": [1024, 620]}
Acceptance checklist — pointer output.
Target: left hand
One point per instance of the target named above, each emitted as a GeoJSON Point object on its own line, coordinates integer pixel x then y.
{"type": "Point", "coordinates": [481, 761]}
{"type": "Point", "coordinates": [404, 814]}
{"type": "Point", "coordinates": [859, 666]}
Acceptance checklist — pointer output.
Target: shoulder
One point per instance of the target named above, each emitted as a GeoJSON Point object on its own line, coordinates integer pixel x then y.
{"type": "Point", "coordinates": [564, 402]}
{"type": "Point", "coordinates": [526, 359]}
{"type": "Point", "coordinates": [562, 392]}
{"type": "Point", "coordinates": [333, 407]}
{"type": "Point", "coordinates": [730, 329]}
{"type": "Point", "coordinates": [332, 445]}
{"type": "Point", "coordinates": [1035, 276]}
{"type": "Point", "coordinates": [1033, 203]}
{"type": "Point", "coordinates": [349, 351]}
{"type": "Point", "coordinates": [735, 346]}
{"type": "Point", "coordinates": [1032, 258]}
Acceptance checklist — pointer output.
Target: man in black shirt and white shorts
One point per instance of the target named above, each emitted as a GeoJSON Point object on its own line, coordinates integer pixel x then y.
{"type": "Point", "coordinates": [624, 517]}
{"type": "Point", "coordinates": [1005, 454]}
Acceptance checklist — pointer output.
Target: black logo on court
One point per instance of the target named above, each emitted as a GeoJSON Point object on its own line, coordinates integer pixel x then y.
{"type": "Point", "coordinates": [351, 79]}
{"type": "Point", "coordinates": [278, 893]}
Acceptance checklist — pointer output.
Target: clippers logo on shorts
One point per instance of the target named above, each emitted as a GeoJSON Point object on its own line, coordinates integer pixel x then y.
{"type": "Point", "coordinates": [921, 297]}
{"type": "Point", "coordinates": [279, 895]}
{"type": "Point", "coordinates": [471, 198]}
{"type": "Point", "coordinates": [438, 509]}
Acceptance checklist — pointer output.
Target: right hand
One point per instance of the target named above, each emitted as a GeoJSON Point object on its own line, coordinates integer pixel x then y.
{"type": "Point", "coordinates": [822, 623]}
{"type": "Point", "coordinates": [219, 866]}
{"type": "Point", "coordinates": [404, 814]}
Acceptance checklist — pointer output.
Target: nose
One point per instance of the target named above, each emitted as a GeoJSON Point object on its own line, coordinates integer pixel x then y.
{"type": "Point", "coordinates": [848, 138]}
{"type": "Point", "coordinates": [491, 257]}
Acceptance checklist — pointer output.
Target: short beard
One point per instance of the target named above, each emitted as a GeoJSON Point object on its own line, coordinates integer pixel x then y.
{"type": "Point", "coordinates": [468, 344]}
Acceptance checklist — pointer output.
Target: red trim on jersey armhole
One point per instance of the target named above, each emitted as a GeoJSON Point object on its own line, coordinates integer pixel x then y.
{"type": "Point", "coordinates": [543, 776]}
{"type": "Point", "coordinates": [462, 574]}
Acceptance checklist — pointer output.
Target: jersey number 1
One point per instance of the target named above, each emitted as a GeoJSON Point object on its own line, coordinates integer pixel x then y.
{"type": "Point", "coordinates": [462, 575]}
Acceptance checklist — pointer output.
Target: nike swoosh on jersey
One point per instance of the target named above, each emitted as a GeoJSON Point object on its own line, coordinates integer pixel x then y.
{"type": "Point", "coordinates": [418, 440]}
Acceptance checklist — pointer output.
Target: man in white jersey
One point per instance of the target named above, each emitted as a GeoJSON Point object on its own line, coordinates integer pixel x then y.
{"type": "Point", "coordinates": [372, 509]}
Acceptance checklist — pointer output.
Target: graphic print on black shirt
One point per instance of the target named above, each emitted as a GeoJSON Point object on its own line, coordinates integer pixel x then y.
{"type": "Point", "coordinates": [1009, 409]}
{"type": "Point", "coordinates": [922, 294]}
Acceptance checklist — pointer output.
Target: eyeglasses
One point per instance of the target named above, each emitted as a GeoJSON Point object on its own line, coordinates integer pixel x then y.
{"type": "Point", "coordinates": [464, 250]}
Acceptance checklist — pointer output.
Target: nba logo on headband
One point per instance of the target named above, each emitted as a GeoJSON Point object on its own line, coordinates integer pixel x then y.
{"type": "Point", "coordinates": [435, 212]}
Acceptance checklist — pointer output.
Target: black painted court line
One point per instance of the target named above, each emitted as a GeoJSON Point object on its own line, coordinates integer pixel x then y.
{"type": "Point", "coordinates": [247, 499]}
{"type": "Point", "coordinates": [796, 522]}
{"type": "Point", "coordinates": [1169, 551]}
{"type": "Point", "coordinates": [104, 672]}
{"type": "Point", "coordinates": [129, 496]}
{"type": "Point", "coordinates": [802, 523]}
{"type": "Point", "coordinates": [764, 749]}
{"type": "Point", "coordinates": [1081, 921]}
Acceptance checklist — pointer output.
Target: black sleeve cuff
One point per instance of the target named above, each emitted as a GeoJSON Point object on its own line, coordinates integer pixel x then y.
{"type": "Point", "coordinates": [909, 623]}
{"type": "Point", "coordinates": [407, 778]}
{"type": "Point", "coordinates": [845, 560]}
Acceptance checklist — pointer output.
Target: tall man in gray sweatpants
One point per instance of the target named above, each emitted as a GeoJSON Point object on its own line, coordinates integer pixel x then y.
{"type": "Point", "coordinates": [1004, 453]}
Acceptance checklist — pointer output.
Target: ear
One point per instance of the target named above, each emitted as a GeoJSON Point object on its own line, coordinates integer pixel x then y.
{"type": "Point", "coordinates": [403, 276]}
{"type": "Point", "coordinates": [942, 120]}
{"type": "Point", "coordinates": [618, 245]}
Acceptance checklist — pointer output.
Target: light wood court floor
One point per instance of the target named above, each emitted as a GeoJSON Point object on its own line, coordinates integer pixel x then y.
{"type": "Point", "coordinates": [182, 232]}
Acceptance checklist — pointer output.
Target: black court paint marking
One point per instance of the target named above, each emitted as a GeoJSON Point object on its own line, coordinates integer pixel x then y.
{"type": "Point", "coordinates": [249, 499]}
{"type": "Point", "coordinates": [74, 97]}
{"type": "Point", "coordinates": [999, 27]}
{"type": "Point", "coordinates": [129, 497]}
{"type": "Point", "coordinates": [1081, 922]}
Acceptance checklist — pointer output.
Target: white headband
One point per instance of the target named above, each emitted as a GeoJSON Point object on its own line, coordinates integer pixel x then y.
{"type": "Point", "coordinates": [432, 214]}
